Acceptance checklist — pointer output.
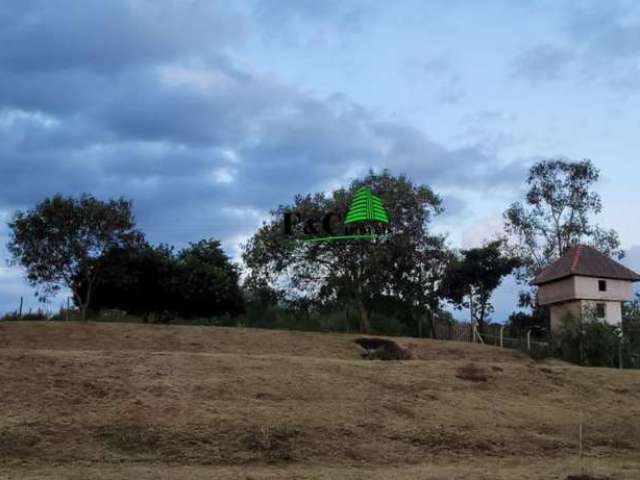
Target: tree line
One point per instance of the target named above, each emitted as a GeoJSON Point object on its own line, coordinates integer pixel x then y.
{"type": "Point", "coordinates": [93, 248]}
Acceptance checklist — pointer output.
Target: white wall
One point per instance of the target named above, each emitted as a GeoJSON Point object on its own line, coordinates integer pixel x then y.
{"type": "Point", "coordinates": [584, 288]}
{"type": "Point", "coordinates": [619, 290]}
{"type": "Point", "coordinates": [559, 312]}
{"type": "Point", "coordinates": [558, 291]}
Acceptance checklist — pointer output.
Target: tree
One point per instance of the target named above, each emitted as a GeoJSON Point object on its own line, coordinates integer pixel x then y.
{"type": "Point", "coordinates": [137, 278]}
{"type": "Point", "coordinates": [556, 215]}
{"type": "Point", "coordinates": [59, 241]}
{"type": "Point", "coordinates": [144, 280]}
{"type": "Point", "coordinates": [352, 272]}
{"type": "Point", "coordinates": [632, 309]}
{"type": "Point", "coordinates": [207, 281]}
{"type": "Point", "coordinates": [472, 278]}
{"type": "Point", "coordinates": [419, 276]}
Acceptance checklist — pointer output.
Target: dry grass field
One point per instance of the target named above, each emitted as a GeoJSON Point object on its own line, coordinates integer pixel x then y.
{"type": "Point", "coordinates": [117, 401]}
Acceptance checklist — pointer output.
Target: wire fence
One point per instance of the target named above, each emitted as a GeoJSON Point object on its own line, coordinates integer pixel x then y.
{"type": "Point", "coordinates": [590, 345]}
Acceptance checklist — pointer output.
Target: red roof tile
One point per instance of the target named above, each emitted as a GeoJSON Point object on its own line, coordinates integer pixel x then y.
{"type": "Point", "coordinates": [586, 261]}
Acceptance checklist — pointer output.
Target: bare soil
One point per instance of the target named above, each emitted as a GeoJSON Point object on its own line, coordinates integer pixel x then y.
{"type": "Point", "coordinates": [115, 401]}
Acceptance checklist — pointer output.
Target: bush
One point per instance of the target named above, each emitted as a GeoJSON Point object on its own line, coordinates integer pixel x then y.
{"type": "Point", "coordinates": [589, 341]}
{"type": "Point", "coordinates": [38, 315]}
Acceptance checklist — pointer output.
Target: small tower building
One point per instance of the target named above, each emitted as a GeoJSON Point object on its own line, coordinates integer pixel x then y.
{"type": "Point", "coordinates": [584, 279]}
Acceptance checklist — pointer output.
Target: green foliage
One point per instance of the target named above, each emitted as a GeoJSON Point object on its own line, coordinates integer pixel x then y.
{"type": "Point", "coordinates": [471, 279]}
{"type": "Point", "coordinates": [207, 282]}
{"type": "Point", "coordinates": [632, 309]}
{"type": "Point", "coordinates": [136, 278]}
{"type": "Point", "coordinates": [199, 281]}
{"type": "Point", "coordinates": [35, 316]}
{"type": "Point", "coordinates": [61, 239]}
{"type": "Point", "coordinates": [555, 215]}
{"type": "Point", "coordinates": [590, 342]}
{"type": "Point", "coordinates": [519, 323]}
{"type": "Point", "coordinates": [351, 273]}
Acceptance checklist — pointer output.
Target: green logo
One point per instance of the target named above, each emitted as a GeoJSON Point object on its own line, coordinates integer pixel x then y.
{"type": "Point", "coordinates": [366, 206]}
{"type": "Point", "coordinates": [366, 219]}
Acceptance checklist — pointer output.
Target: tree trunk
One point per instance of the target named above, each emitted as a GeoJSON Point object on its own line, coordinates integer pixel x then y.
{"type": "Point", "coordinates": [85, 304]}
{"type": "Point", "coordinates": [364, 316]}
{"type": "Point", "coordinates": [434, 333]}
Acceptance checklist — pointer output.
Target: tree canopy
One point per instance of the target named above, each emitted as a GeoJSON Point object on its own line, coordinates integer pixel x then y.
{"type": "Point", "coordinates": [199, 281]}
{"type": "Point", "coordinates": [61, 239]}
{"type": "Point", "coordinates": [471, 279]}
{"type": "Point", "coordinates": [351, 272]}
{"type": "Point", "coordinates": [557, 213]}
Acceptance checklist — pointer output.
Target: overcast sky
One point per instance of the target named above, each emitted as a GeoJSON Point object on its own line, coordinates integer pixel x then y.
{"type": "Point", "coordinates": [207, 114]}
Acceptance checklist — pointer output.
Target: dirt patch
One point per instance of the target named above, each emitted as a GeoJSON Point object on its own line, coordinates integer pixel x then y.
{"type": "Point", "coordinates": [472, 373]}
{"type": "Point", "coordinates": [382, 349]}
{"type": "Point", "coordinates": [585, 476]}
{"type": "Point", "coordinates": [16, 443]}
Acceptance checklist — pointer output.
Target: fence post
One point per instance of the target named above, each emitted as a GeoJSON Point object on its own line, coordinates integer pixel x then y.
{"type": "Point", "coordinates": [476, 335]}
{"type": "Point", "coordinates": [20, 310]}
{"type": "Point", "coordinates": [528, 340]}
{"type": "Point", "coordinates": [502, 336]}
{"type": "Point", "coordinates": [620, 353]}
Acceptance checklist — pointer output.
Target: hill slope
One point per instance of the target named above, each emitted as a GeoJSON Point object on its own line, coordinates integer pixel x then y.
{"type": "Point", "coordinates": [122, 400]}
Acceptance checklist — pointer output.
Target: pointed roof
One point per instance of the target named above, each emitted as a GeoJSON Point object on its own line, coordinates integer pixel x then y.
{"type": "Point", "coordinates": [586, 261]}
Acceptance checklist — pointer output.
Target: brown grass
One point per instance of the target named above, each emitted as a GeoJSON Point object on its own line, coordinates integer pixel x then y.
{"type": "Point", "coordinates": [147, 401]}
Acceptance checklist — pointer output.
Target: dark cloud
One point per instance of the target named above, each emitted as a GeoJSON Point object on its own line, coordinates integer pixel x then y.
{"type": "Point", "coordinates": [106, 36]}
{"type": "Point", "coordinates": [601, 44]}
{"type": "Point", "coordinates": [411, 152]}
{"type": "Point", "coordinates": [152, 108]}
{"type": "Point", "coordinates": [543, 63]}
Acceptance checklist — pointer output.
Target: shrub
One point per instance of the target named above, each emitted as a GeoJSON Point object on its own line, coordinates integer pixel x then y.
{"type": "Point", "coordinates": [589, 341]}
{"type": "Point", "coordinates": [38, 315]}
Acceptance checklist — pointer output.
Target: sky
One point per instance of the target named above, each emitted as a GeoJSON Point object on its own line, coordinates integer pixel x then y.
{"type": "Point", "coordinates": [209, 114]}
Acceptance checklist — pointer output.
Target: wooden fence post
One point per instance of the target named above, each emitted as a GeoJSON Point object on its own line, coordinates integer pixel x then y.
{"type": "Point", "coordinates": [502, 336]}
{"type": "Point", "coordinates": [20, 310]}
{"type": "Point", "coordinates": [528, 340]}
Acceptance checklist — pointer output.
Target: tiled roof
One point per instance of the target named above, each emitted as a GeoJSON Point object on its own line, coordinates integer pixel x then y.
{"type": "Point", "coordinates": [586, 261]}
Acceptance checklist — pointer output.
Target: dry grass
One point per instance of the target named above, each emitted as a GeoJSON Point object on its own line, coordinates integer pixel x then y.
{"type": "Point", "coordinates": [136, 401]}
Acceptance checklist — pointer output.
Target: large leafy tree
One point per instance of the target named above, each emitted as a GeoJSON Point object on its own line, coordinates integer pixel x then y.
{"type": "Point", "coordinates": [137, 278]}
{"type": "Point", "coordinates": [472, 278]}
{"type": "Point", "coordinates": [418, 276]}
{"type": "Point", "coordinates": [351, 272]}
{"type": "Point", "coordinates": [61, 239]}
{"type": "Point", "coordinates": [208, 282]}
{"type": "Point", "coordinates": [199, 281]}
{"type": "Point", "coordinates": [555, 215]}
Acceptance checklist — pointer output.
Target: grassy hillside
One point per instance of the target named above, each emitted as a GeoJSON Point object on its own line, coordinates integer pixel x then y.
{"type": "Point", "coordinates": [145, 401]}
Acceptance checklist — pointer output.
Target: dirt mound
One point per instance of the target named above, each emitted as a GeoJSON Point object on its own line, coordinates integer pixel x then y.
{"type": "Point", "coordinates": [382, 349]}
